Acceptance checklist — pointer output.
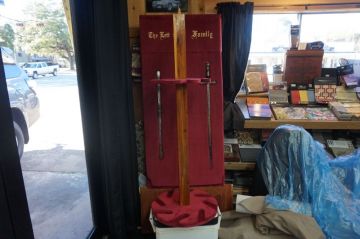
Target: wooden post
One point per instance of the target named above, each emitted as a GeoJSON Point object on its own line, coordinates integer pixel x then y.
{"type": "Point", "coordinates": [181, 104]}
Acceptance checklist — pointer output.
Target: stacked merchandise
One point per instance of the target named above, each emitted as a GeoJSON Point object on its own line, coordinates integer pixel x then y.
{"type": "Point", "coordinates": [247, 137]}
{"type": "Point", "coordinates": [302, 94]}
{"type": "Point", "coordinates": [244, 148]}
{"type": "Point", "coordinates": [231, 150]}
{"type": "Point", "coordinates": [303, 113]}
{"type": "Point", "coordinates": [249, 145]}
{"type": "Point", "coordinates": [319, 113]}
{"type": "Point", "coordinates": [249, 148]}
{"type": "Point", "coordinates": [340, 147]}
{"type": "Point", "coordinates": [350, 73]}
{"type": "Point", "coordinates": [350, 81]}
{"type": "Point", "coordinates": [256, 78]}
{"type": "Point", "coordinates": [337, 143]}
{"type": "Point", "coordinates": [300, 69]}
{"type": "Point", "coordinates": [325, 89]}
{"type": "Point", "coordinates": [346, 111]}
{"type": "Point", "coordinates": [306, 90]}
{"type": "Point", "coordinates": [345, 95]}
{"type": "Point", "coordinates": [258, 107]}
{"type": "Point", "coordinates": [256, 81]}
{"type": "Point", "coordinates": [347, 105]}
{"type": "Point", "coordinates": [278, 94]}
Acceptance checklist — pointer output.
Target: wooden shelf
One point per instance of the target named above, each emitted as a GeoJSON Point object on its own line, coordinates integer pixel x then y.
{"type": "Point", "coordinates": [240, 190]}
{"type": "Point", "coordinates": [243, 94]}
{"type": "Point", "coordinates": [239, 166]}
{"type": "Point", "coordinates": [307, 124]}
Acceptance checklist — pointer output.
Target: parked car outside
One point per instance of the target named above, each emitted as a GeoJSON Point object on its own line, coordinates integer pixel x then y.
{"type": "Point", "coordinates": [280, 49]}
{"type": "Point", "coordinates": [24, 103]}
{"type": "Point", "coordinates": [328, 48]}
{"type": "Point", "coordinates": [34, 69]}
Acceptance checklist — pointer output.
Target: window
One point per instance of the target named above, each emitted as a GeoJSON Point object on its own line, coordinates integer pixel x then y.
{"type": "Point", "coordinates": [271, 36]}
{"type": "Point", "coordinates": [30, 65]}
{"type": "Point", "coordinates": [340, 33]}
{"type": "Point", "coordinates": [11, 71]}
{"type": "Point", "coordinates": [271, 32]}
{"type": "Point", "coordinates": [20, 85]}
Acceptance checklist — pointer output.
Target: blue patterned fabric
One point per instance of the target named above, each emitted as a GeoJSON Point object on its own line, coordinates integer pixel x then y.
{"type": "Point", "coordinates": [300, 177]}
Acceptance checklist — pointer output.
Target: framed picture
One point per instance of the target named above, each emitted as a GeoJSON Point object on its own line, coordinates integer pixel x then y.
{"type": "Point", "coordinates": [166, 5]}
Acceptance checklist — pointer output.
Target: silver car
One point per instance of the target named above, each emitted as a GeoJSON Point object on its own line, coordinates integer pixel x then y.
{"type": "Point", "coordinates": [25, 106]}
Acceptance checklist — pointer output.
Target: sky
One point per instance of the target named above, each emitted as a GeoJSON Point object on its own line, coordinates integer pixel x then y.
{"type": "Point", "coordinates": [13, 12]}
{"type": "Point", "coordinates": [273, 30]}
{"type": "Point", "coordinates": [13, 9]}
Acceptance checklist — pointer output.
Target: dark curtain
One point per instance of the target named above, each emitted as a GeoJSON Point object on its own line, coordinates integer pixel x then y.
{"type": "Point", "coordinates": [236, 40]}
{"type": "Point", "coordinates": [103, 65]}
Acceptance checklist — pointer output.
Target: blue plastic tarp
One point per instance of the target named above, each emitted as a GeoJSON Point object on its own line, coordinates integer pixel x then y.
{"type": "Point", "coordinates": [300, 176]}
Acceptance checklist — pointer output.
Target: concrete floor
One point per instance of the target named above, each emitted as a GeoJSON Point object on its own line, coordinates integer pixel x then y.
{"type": "Point", "coordinates": [59, 204]}
{"type": "Point", "coordinates": [53, 163]}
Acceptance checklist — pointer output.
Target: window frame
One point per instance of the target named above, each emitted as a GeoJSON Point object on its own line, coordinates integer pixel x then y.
{"type": "Point", "coordinates": [300, 14]}
{"type": "Point", "coordinates": [7, 71]}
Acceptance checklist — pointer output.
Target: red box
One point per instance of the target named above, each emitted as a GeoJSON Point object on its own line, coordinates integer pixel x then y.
{"type": "Point", "coordinates": [203, 45]}
{"type": "Point", "coordinates": [157, 53]}
{"type": "Point", "coordinates": [295, 97]}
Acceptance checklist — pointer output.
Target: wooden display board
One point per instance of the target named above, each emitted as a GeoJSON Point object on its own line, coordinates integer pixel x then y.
{"type": "Point", "coordinates": [189, 128]}
{"type": "Point", "coordinates": [307, 124]}
{"type": "Point", "coordinates": [302, 66]}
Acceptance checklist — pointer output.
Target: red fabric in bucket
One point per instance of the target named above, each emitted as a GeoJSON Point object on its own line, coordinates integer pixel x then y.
{"type": "Point", "coordinates": [202, 209]}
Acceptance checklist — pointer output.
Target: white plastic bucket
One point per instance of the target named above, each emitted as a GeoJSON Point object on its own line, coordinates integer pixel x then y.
{"type": "Point", "coordinates": [198, 232]}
